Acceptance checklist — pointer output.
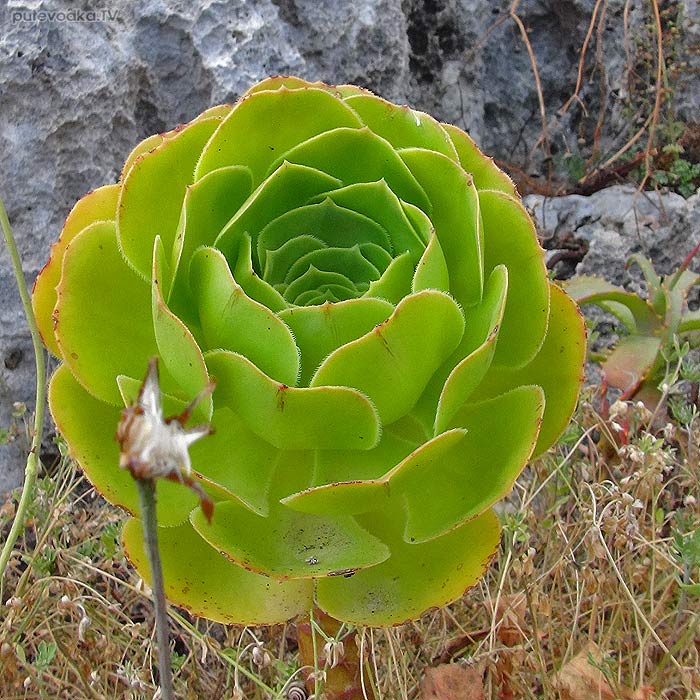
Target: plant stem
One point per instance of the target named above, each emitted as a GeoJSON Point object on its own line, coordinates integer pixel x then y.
{"type": "Point", "coordinates": [346, 680]}
{"type": "Point", "coordinates": [32, 466]}
{"type": "Point", "coordinates": [147, 501]}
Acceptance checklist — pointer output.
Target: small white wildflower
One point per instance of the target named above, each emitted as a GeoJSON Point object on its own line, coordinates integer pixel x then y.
{"type": "Point", "coordinates": [619, 408]}
{"type": "Point", "coordinates": [616, 426]}
{"type": "Point", "coordinates": [689, 500]}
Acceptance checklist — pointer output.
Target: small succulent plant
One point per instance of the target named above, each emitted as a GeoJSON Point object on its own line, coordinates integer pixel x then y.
{"type": "Point", "coordinates": [369, 295]}
{"type": "Point", "coordinates": [637, 363]}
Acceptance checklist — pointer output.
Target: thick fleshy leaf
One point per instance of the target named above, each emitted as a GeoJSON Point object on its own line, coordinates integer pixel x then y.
{"type": "Point", "coordinates": [141, 149]}
{"type": "Point", "coordinates": [376, 201]}
{"type": "Point", "coordinates": [557, 368]}
{"type": "Point", "coordinates": [234, 462]}
{"type": "Point", "coordinates": [332, 417]}
{"type": "Point", "coordinates": [316, 286]}
{"type": "Point", "coordinates": [466, 366]}
{"type": "Point", "coordinates": [449, 480]}
{"type": "Point", "coordinates": [152, 142]}
{"type": "Point", "coordinates": [510, 239]}
{"type": "Point", "coordinates": [393, 363]}
{"type": "Point", "coordinates": [336, 226]}
{"type": "Point", "coordinates": [416, 577]}
{"type": "Point", "coordinates": [455, 217]}
{"type": "Point", "coordinates": [251, 283]}
{"type": "Point", "coordinates": [289, 187]}
{"type": "Point", "coordinates": [652, 279]}
{"type": "Point", "coordinates": [176, 344]}
{"type": "Point", "coordinates": [208, 205]}
{"type": "Point", "coordinates": [348, 483]}
{"type": "Point", "coordinates": [587, 289]}
{"type": "Point", "coordinates": [292, 83]}
{"type": "Point", "coordinates": [219, 111]}
{"type": "Point", "coordinates": [101, 340]}
{"type": "Point", "coordinates": [319, 330]}
{"type": "Point", "coordinates": [204, 582]}
{"type": "Point", "coordinates": [358, 155]}
{"type": "Point", "coordinates": [233, 321]}
{"type": "Point", "coordinates": [278, 261]}
{"type": "Point", "coordinates": [275, 82]}
{"type": "Point", "coordinates": [337, 466]}
{"type": "Point", "coordinates": [395, 282]}
{"type": "Point", "coordinates": [487, 175]}
{"type": "Point", "coordinates": [402, 126]}
{"type": "Point", "coordinates": [267, 124]}
{"type": "Point", "coordinates": [481, 333]}
{"type": "Point", "coordinates": [289, 544]}
{"type": "Point", "coordinates": [346, 261]}
{"type": "Point", "coordinates": [677, 288]}
{"type": "Point", "coordinates": [98, 205]}
{"type": "Point", "coordinates": [631, 362]}
{"type": "Point", "coordinates": [690, 321]}
{"type": "Point", "coordinates": [420, 222]}
{"type": "Point", "coordinates": [360, 494]}
{"type": "Point", "coordinates": [88, 426]}
{"type": "Point", "coordinates": [153, 191]}
{"type": "Point", "coordinates": [432, 271]}
{"type": "Point", "coordinates": [342, 498]}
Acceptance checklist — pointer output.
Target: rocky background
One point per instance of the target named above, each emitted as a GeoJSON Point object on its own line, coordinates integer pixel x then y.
{"type": "Point", "coordinates": [82, 82]}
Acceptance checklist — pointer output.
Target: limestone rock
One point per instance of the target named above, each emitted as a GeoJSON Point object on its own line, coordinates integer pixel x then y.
{"type": "Point", "coordinates": [619, 221]}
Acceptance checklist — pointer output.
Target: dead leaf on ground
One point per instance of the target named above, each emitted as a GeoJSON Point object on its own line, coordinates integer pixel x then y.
{"type": "Point", "coordinates": [579, 679]}
{"type": "Point", "coordinates": [511, 626]}
{"type": "Point", "coordinates": [453, 682]}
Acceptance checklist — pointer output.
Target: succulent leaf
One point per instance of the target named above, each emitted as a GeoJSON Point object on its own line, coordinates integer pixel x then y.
{"type": "Point", "coordinates": [366, 293]}
{"type": "Point", "coordinates": [207, 583]}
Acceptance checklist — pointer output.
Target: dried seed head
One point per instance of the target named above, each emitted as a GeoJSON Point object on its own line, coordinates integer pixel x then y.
{"type": "Point", "coordinates": [152, 446]}
{"type": "Point", "coordinates": [334, 651]}
{"type": "Point", "coordinates": [261, 656]}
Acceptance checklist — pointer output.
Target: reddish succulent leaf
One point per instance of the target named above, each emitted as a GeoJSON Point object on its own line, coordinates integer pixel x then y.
{"type": "Point", "coordinates": [631, 361]}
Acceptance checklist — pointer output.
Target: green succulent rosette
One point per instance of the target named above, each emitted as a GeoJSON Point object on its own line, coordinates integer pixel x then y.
{"type": "Point", "coordinates": [369, 294]}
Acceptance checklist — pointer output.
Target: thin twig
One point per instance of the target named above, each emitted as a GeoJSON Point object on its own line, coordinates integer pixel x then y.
{"type": "Point", "coordinates": [544, 138]}
{"type": "Point", "coordinates": [659, 92]}
{"type": "Point", "coordinates": [32, 467]}
{"type": "Point", "coordinates": [147, 502]}
{"type": "Point", "coordinates": [582, 61]}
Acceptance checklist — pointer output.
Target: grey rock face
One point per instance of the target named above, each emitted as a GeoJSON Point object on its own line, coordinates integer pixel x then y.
{"type": "Point", "coordinates": [77, 92]}
{"type": "Point", "coordinates": [619, 221]}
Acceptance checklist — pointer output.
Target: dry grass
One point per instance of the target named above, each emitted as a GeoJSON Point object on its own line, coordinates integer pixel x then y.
{"type": "Point", "coordinates": [588, 554]}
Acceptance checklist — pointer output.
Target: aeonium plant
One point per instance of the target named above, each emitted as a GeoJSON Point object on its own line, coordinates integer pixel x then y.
{"type": "Point", "coordinates": [367, 292]}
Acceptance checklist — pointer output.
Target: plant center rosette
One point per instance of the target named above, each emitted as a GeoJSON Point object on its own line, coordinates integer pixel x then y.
{"type": "Point", "coordinates": [369, 294]}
